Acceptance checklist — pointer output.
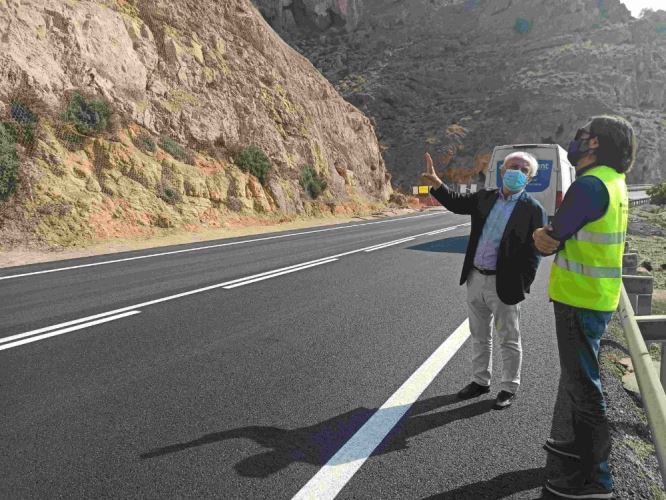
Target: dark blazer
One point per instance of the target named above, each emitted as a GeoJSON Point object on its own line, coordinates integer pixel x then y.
{"type": "Point", "coordinates": [517, 258]}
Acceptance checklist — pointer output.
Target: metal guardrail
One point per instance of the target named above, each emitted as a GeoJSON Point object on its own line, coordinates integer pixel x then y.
{"type": "Point", "coordinates": [638, 187]}
{"type": "Point", "coordinates": [652, 391]}
{"type": "Point", "coordinates": [639, 201]}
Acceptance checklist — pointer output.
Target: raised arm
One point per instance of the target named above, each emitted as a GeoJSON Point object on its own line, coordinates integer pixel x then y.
{"type": "Point", "coordinates": [456, 202]}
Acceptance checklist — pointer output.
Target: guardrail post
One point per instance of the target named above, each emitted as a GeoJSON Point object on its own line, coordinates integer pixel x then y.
{"type": "Point", "coordinates": [630, 263]}
{"type": "Point", "coordinates": [653, 329]}
{"type": "Point", "coordinates": [639, 289]}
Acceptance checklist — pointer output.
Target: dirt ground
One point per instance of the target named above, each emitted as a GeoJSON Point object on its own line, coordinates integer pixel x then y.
{"type": "Point", "coordinates": [21, 257]}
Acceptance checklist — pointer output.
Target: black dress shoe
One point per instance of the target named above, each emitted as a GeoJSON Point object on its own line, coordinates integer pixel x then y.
{"type": "Point", "coordinates": [576, 486]}
{"type": "Point", "coordinates": [563, 448]}
{"type": "Point", "coordinates": [504, 400]}
{"type": "Point", "coordinates": [473, 390]}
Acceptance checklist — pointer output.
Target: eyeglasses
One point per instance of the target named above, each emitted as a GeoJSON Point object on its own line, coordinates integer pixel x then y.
{"type": "Point", "coordinates": [580, 132]}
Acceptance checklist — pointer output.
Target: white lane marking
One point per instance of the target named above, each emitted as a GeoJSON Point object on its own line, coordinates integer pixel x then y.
{"type": "Point", "coordinates": [55, 327]}
{"type": "Point", "coordinates": [66, 330]}
{"type": "Point", "coordinates": [195, 291]}
{"type": "Point", "coordinates": [337, 472]}
{"type": "Point", "coordinates": [273, 271]}
{"type": "Point", "coordinates": [207, 247]}
{"type": "Point", "coordinates": [389, 244]}
{"type": "Point", "coordinates": [247, 282]}
{"type": "Point", "coordinates": [438, 231]}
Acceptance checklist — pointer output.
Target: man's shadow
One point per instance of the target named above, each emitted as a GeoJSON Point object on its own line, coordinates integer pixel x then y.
{"type": "Point", "coordinates": [318, 443]}
{"type": "Point", "coordinates": [457, 244]}
{"type": "Point", "coordinates": [501, 486]}
{"type": "Point", "coordinates": [509, 483]}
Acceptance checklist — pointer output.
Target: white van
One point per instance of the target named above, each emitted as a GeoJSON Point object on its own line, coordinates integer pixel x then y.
{"type": "Point", "coordinates": [551, 182]}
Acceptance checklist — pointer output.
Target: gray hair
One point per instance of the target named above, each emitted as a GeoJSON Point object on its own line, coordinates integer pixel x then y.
{"type": "Point", "coordinates": [531, 160]}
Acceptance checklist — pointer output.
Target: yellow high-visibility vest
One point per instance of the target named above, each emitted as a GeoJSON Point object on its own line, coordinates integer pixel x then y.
{"type": "Point", "coordinates": [587, 272]}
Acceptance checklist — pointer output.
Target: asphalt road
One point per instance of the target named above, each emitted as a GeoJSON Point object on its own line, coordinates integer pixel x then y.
{"type": "Point", "coordinates": [206, 390]}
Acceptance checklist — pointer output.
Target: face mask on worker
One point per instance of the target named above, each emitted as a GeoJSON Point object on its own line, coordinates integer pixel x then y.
{"type": "Point", "coordinates": [514, 180]}
{"type": "Point", "coordinates": [579, 147]}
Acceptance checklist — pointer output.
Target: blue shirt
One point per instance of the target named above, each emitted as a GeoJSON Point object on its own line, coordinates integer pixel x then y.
{"type": "Point", "coordinates": [493, 230]}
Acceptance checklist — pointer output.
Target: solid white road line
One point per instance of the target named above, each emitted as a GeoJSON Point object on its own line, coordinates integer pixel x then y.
{"type": "Point", "coordinates": [389, 244]}
{"type": "Point", "coordinates": [333, 476]}
{"type": "Point", "coordinates": [207, 247]}
{"type": "Point", "coordinates": [66, 330]}
{"type": "Point", "coordinates": [245, 279]}
{"type": "Point", "coordinates": [247, 282]}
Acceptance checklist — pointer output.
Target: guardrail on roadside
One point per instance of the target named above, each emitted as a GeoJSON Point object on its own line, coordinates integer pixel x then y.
{"type": "Point", "coordinates": [638, 187]}
{"type": "Point", "coordinates": [639, 201]}
{"type": "Point", "coordinates": [651, 329]}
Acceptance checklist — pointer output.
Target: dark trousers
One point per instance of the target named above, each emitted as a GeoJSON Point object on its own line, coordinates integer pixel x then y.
{"type": "Point", "coordinates": [579, 333]}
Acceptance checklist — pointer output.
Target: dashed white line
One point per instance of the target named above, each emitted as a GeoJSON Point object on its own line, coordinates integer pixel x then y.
{"type": "Point", "coordinates": [389, 244]}
{"type": "Point", "coordinates": [273, 275]}
{"type": "Point", "coordinates": [207, 247]}
{"type": "Point", "coordinates": [66, 330]}
{"type": "Point", "coordinates": [337, 472]}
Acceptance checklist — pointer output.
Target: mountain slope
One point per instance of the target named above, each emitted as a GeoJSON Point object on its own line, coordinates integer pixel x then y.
{"type": "Point", "coordinates": [130, 116]}
{"type": "Point", "coordinates": [457, 77]}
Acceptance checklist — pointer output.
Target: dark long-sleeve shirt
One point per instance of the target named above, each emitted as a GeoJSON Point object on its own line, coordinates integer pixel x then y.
{"type": "Point", "coordinates": [586, 200]}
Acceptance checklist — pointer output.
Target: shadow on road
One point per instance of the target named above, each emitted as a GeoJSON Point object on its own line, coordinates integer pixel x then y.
{"type": "Point", "coordinates": [316, 444]}
{"type": "Point", "coordinates": [502, 486]}
{"type": "Point", "coordinates": [457, 244]}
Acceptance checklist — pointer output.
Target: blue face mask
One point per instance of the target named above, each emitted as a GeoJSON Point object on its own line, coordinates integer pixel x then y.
{"type": "Point", "coordinates": [514, 180]}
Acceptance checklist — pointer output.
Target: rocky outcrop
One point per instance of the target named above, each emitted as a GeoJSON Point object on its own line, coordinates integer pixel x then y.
{"type": "Point", "coordinates": [190, 84]}
{"type": "Point", "coordinates": [507, 71]}
{"type": "Point", "coordinates": [313, 16]}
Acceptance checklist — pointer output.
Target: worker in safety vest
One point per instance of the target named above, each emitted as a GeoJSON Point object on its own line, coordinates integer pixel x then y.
{"type": "Point", "coordinates": [588, 234]}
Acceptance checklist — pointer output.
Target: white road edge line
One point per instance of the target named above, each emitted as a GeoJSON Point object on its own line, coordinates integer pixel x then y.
{"type": "Point", "coordinates": [207, 247]}
{"type": "Point", "coordinates": [247, 282]}
{"type": "Point", "coordinates": [195, 291]}
{"type": "Point", "coordinates": [337, 472]}
{"type": "Point", "coordinates": [67, 330]}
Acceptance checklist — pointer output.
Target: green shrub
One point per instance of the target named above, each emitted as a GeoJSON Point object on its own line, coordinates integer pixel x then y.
{"type": "Point", "coordinates": [145, 142]}
{"type": "Point", "coordinates": [254, 160]}
{"type": "Point", "coordinates": [22, 113]}
{"type": "Point", "coordinates": [88, 116]}
{"type": "Point", "coordinates": [169, 194]}
{"type": "Point", "coordinates": [312, 182]}
{"type": "Point", "coordinates": [176, 150]}
{"type": "Point", "coordinates": [657, 194]}
{"type": "Point", "coordinates": [24, 124]}
{"type": "Point", "coordinates": [9, 163]}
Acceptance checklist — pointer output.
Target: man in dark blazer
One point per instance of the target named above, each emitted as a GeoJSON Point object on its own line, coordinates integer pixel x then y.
{"type": "Point", "coordinates": [500, 265]}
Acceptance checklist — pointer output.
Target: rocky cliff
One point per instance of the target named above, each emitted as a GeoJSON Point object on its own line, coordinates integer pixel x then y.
{"type": "Point", "coordinates": [131, 115]}
{"type": "Point", "coordinates": [457, 77]}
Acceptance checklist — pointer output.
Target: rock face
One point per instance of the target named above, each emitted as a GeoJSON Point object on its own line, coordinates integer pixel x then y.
{"type": "Point", "coordinates": [498, 72]}
{"type": "Point", "coordinates": [209, 78]}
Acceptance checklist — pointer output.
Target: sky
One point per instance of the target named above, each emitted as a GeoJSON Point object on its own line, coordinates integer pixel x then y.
{"type": "Point", "coordinates": [635, 6]}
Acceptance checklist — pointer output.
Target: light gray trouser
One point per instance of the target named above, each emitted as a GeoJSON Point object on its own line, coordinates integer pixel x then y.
{"type": "Point", "coordinates": [484, 305]}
